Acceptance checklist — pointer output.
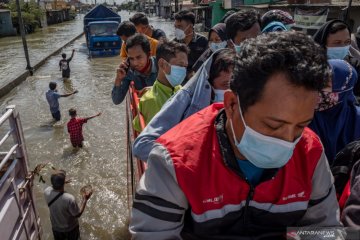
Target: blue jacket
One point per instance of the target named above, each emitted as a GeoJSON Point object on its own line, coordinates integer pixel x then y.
{"type": "Point", "coordinates": [193, 97]}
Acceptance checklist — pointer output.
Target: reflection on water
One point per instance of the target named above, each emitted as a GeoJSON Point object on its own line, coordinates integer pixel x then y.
{"type": "Point", "coordinates": [102, 161]}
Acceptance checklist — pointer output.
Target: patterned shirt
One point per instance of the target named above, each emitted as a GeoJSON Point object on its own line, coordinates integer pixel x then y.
{"type": "Point", "coordinates": [75, 130]}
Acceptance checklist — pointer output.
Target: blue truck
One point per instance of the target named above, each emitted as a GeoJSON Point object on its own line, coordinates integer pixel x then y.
{"type": "Point", "coordinates": [100, 26]}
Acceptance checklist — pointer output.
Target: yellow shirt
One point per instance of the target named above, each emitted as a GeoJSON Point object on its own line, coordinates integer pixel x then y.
{"type": "Point", "coordinates": [153, 46]}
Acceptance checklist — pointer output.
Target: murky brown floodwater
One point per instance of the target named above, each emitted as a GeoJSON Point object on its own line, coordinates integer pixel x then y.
{"type": "Point", "coordinates": [102, 162]}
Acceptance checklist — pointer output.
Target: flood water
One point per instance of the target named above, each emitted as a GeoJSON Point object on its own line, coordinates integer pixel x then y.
{"type": "Point", "coordinates": [102, 162]}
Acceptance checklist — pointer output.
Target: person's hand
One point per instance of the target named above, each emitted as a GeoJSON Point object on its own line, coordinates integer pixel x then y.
{"type": "Point", "coordinates": [143, 91]}
{"type": "Point", "coordinates": [121, 72]}
{"type": "Point", "coordinates": [87, 195]}
{"type": "Point", "coordinates": [98, 114]}
{"type": "Point", "coordinates": [76, 91]}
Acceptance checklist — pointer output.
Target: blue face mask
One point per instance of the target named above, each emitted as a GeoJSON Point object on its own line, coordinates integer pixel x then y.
{"type": "Point", "coordinates": [219, 95]}
{"type": "Point", "coordinates": [216, 46]}
{"type": "Point", "coordinates": [176, 76]}
{"type": "Point", "coordinates": [263, 151]}
{"type": "Point", "coordinates": [237, 47]}
{"type": "Point", "coordinates": [337, 52]}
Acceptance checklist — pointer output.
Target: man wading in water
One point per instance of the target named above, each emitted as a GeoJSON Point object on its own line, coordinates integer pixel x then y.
{"type": "Point", "coordinates": [64, 211]}
{"type": "Point", "coordinates": [64, 64]}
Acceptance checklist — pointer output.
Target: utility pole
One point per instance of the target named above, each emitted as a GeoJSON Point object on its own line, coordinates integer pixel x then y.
{"type": "Point", "coordinates": [176, 6]}
{"type": "Point", "coordinates": [347, 11]}
{"type": "Point", "coordinates": [22, 32]}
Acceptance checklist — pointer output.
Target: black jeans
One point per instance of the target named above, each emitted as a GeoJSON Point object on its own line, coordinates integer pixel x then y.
{"type": "Point", "coordinates": [72, 235]}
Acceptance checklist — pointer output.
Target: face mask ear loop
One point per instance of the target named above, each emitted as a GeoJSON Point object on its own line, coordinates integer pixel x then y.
{"type": "Point", "coordinates": [233, 132]}
{"type": "Point", "coordinates": [168, 65]}
{"type": "Point", "coordinates": [241, 114]}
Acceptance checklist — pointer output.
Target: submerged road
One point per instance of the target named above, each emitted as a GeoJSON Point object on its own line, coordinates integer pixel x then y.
{"type": "Point", "coordinates": [102, 162]}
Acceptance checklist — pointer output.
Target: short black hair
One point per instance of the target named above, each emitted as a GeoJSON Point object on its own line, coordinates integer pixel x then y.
{"type": "Point", "coordinates": [72, 112]}
{"type": "Point", "coordinates": [138, 40]}
{"type": "Point", "coordinates": [338, 26]}
{"type": "Point", "coordinates": [185, 15]}
{"type": "Point", "coordinates": [52, 85]}
{"type": "Point", "coordinates": [241, 21]}
{"type": "Point", "coordinates": [63, 55]}
{"type": "Point", "coordinates": [58, 179]}
{"type": "Point", "coordinates": [223, 60]}
{"type": "Point", "coordinates": [226, 15]}
{"type": "Point", "coordinates": [126, 28]}
{"type": "Point", "coordinates": [139, 18]}
{"type": "Point", "coordinates": [293, 53]}
{"type": "Point", "coordinates": [168, 49]}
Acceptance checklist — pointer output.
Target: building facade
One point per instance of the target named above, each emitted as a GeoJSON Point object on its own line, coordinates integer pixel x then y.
{"type": "Point", "coordinates": [6, 26]}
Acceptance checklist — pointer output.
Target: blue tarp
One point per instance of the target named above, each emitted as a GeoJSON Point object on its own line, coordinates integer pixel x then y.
{"type": "Point", "coordinates": [101, 13]}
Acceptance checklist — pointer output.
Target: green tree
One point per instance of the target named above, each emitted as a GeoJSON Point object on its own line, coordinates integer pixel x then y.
{"type": "Point", "coordinates": [30, 11]}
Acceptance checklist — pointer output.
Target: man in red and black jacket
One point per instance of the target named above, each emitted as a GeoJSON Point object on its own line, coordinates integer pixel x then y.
{"type": "Point", "coordinates": [248, 168]}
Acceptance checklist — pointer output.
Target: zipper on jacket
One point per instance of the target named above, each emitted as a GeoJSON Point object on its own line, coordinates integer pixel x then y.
{"type": "Point", "coordinates": [249, 197]}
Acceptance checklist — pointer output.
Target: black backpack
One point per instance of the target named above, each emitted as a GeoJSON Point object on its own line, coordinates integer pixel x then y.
{"type": "Point", "coordinates": [343, 164]}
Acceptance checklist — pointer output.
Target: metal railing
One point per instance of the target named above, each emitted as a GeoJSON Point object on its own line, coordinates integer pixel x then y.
{"type": "Point", "coordinates": [18, 215]}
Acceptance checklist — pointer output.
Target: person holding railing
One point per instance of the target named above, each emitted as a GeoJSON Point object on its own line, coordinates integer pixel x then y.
{"type": "Point", "coordinates": [172, 60]}
{"type": "Point", "coordinates": [247, 168]}
{"type": "Point", "coordinates": [205, 87]}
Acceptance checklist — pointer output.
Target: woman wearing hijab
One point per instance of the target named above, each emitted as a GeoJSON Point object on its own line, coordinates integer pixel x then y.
{"type": "Point", "coordinates": [337, 118]}
{"type": "Point", "coordinates": [335, 37]}
{"type": "Point", "coordinates": [217, 40]}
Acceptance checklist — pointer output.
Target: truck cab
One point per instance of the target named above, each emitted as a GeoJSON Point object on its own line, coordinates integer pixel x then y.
{"type": "Point", "coordinates": [100, 26]}
{"type": "Point", "coordinates": [102, 39]}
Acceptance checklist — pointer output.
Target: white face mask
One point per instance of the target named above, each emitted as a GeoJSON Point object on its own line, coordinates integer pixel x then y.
{"type": "Point", "coordinates": [219, 95]}
{"type": "Point", "coordinates": [180, 34]}
{"type": "Point", "coordinates": [216, 46]}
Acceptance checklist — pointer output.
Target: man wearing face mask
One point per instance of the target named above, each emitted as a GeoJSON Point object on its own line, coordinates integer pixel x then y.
{"type": "Point", "coordinates": [335, 37]}
{"type": "Point", "coordinates": [248, 168]}
{"type": "Point", "coordinates": [184, 33]}
{"type": "Point", "coordinates": [139, 67]}
{"type": "Point", "coordinates": [172, 62]}
{"type": "Point", "coordinates": [242, 25]}
{"type": "Point", "coordinates": [207, 86]}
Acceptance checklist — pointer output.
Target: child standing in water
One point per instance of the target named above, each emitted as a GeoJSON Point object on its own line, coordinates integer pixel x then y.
{"type": "Point", "coordinates": [75, 127]}
{"type": "Point", "coordinates": [64, 64]}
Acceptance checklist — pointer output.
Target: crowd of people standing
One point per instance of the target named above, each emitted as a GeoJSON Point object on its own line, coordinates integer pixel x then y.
{"type": "Point", "coordinates": [242, 127]}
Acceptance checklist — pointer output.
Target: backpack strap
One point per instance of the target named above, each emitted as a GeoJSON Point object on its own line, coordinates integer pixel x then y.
{"type": "Point", "coordinates": [55, 198]}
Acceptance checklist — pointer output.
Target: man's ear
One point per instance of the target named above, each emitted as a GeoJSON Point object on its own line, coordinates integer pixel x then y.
{"type": "Point", "coordinates": [163, 65]}
{"type": "Point", "coordinates": [230, 103]}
